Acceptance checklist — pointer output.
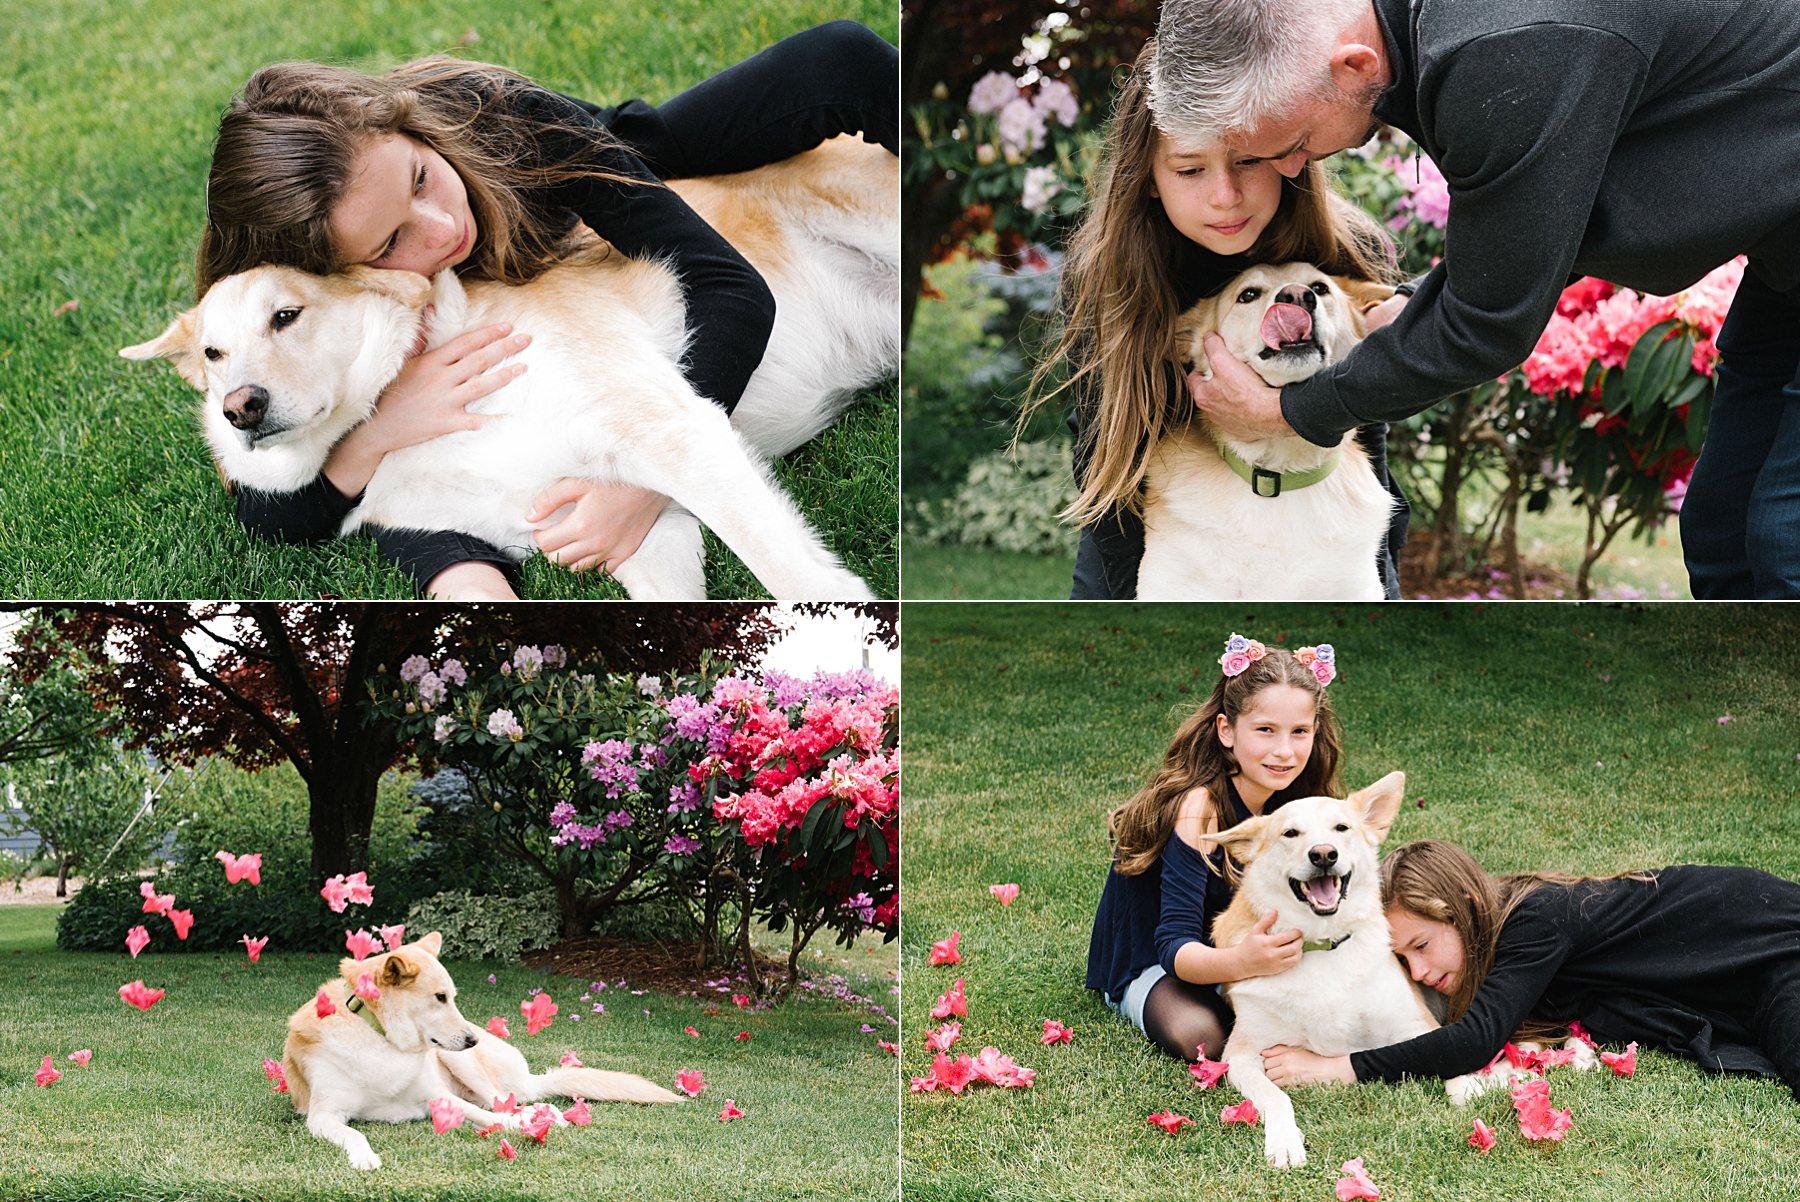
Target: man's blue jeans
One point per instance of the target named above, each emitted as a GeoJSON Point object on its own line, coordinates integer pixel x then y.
{"type": "Point", "coordinates": [1740, 520]}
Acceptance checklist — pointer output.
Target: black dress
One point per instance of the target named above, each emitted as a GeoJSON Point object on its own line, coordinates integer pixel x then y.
{"type": "Point", "coordinates": [837, 78]}
{"type": "Point", "coordinates": [1703, 962]}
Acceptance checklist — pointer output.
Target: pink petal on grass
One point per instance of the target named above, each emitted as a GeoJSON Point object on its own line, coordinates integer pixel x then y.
{"type": "Point", "coordinates": [66, 307]}
{"type": "Point", "coordinates": [1169, 1121]}
{"type": "Point", "coordinates": [730, 1112]}
{"type": "Point", "coordinates": [1055, 1032]}
{"type": "Point", "coordinates": [893, 1049]}
{"type": "Point", "coordinates": [539, 1012]}
{"type": "Point", "coordinates": [1483, 1138]}
{"type": "Point", "coordinates": [941, 1039]}
{"type": "Point", "coordinates": [445, 1115]}
{"type": "Point", "coordinates": [571, 1060]}
{"type": "Point", "coordinates": [944, 950]}
{"type": "Point", "coordinates": [1006, 893]}
{"type": "Point", "coordinates": [82, 1057]}
{"type": "Point", "coordinates": [741, 1001]}
{"type": "Point", "coordinates": [272, 1070]}
{"type": "Point", "coordinates": [323, 1006]}
{"type": "Point", "coordinates": [365, 987]}
{"type": "Point", "coordinates": [362, 945]}
{"type": "Point", "coordinates": [507, 1152]}
{"type": "Point", "coordinates": [578, 1114]}
{"type": "Point", "coordinates": [497, 1026]}
{"type": "Point", "coordinates": [1206, 1073]}
{"type": "Point", "coordinates": [253, 947]}
{"type": "Point", "coordinates": [135, 939]}
{"type": "Point", "coordinates": [47, 1072]}
{"type": "Point", "coordinates": [692, 1032]}
{"type": "Point", "coordinates": [392, 936]}
{"type": "Point", "coordinates": [136, 995]}
{"type": "Point", "coordinates": [1357, 1184]}
{"type": "Point", "coordinates": [993, 1067]}
{"type": "Point", "coordinates": [507, 1105]}
{"type": "Point", "coordinates": [1622, 1063]}
{"type": "Point", "coordinates": [1580, 1033]}
{"type": "Point", "coordinates": [741, 1037]}
{"type": "Point", "coordinates": [953, 1001]}
{"type": "Point", "coordinates": [690, 1082]}
{"type": "Point", "coordinates": [1243, 1112]}
{"type": "Point", "coordinates": [539, 1127]}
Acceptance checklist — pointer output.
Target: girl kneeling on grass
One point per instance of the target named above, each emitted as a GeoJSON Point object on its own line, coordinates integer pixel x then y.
{"type": "Point", "coordinates": [1265, 737]}
{"type": "Point", "coordinates": [1170, 225]}
{"type": "Point", "coordinates": [1700, 961]}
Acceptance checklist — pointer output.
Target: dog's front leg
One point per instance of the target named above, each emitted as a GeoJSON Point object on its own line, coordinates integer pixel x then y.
{"type": "Point", "coordinates": [670, 563]}
{"type": "Point", "coordinates": [1283, 1145]}
{"type": "Point", "coordinates": [331, 1126]}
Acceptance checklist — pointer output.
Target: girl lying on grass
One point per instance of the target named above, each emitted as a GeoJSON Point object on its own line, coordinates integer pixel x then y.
{"type": "Point", "coordinates": [1700, 961]}
{"type": "Point", "coordinates": [1170, 225]}
{"type": "Point", "coordinates": [448, 164]}
{"type": "Point", "coordinates": [1265, 737]}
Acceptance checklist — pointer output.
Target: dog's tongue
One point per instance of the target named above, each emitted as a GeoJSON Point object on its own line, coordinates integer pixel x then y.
{"type": "Point", "coordinates": [1285, 323]}
{"type": "Point", "coordinates": [1323, 891]}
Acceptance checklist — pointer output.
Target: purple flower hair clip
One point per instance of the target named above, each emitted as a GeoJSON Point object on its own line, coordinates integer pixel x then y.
{"type": "Point", "coordinates": [1321, 659]}
{"type": "Point", "coordinates": [1240, 653]}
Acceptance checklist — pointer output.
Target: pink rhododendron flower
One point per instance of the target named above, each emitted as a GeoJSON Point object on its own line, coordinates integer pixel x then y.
{"type": "Point", "coordinates": [730, 1112]}
{"type": "Point", "coordinates": [1622, 1063]}
{"type": "Point", "coordinates": [941, 1039]}
{"type": "Point", "coordinates": [253, 947]}
{"type": "Point", "coordinates": [323, 1006]}
{"type": "Point", "coordinates": [692, 1032]}
{"type": "Point", "coordinates": [741, 1001]}
{"type": "Point", "coordinates": [1529, 1061]}
{"type": "Point", "coordinates": [571, 1060]}
{"type": "Point", "coordinates": [742, 1037]}
{"type": "Point", "coordinates": [1006, 893]}
{"type": "Point", "coordinates": [1206, 1073]}
{"type": "Point", "coordinates": [183, 920]}
{"type": "Point", "coordinates": [272, 1070]}
{"type": "Point", "coordinates": [1169, 1121]}
{"type": "Point", "coordinates": [1580, 1032]}
{"type": "Point", "coordinates": [506, 1151]}
{"type": "Point", "coordinates": [238, 868]}
{"type": "Point", "coordinates": [1427, 196]}
{"type": "Point", "coordinates": [336, 893]}
{"type": "Point", "coordinates": [507, 1105]}
{"type": "Point", "coordinates": [1243, 1112]}
{"type": "Point", "coordinates": [47, 1072]}
{"type": "Point", "coordinates": [82, 1057]}
{"type": "Point", "coordinates": [154, 902]}
{"type": "Point", "coordinates": [997, 1069]}
{"type": "Point", "coordinates": [944, 950]}
{"type": "Point", "coordinates": [445, 1115]}
{"type": "Point", "coordinates": [1537, 1120]}
{"type": "Point", "coordinates": [365, 987]}
{"type": "Point", "coordinates": [539, 1128]}
{"type": "Point", "coordinates": [1055, 1032]}
{"type": "Point", "coordinates": [993, 92]}
{"type": "Point", "coordinates": [497, 1026]}
{"type": "Point", "coordinates": [361, 892]}
{"type": "Point", "coordinates": [539, 1013]}
{"type": "Point", "coordinates": [953, 1001]}
{"type": "Point", "coordinates": [135, 939]}
{"type": "Point", "coordinates": [362, 945]}
{"type": "Point", "coordinates": [1724, 718]}
{"type": "Point", "coordinates": [578, 1114]}
{"type": "Point", "coordinates": [954, 1075]}
{"type": "Point", "coordinates": [392, 936]}
{"type": "Point", "coordinates": [1483, 1138]}
{"type": "Point", "coordinates": [1357, 1184]}
{"type": "Point", "coordinates": [136, 995]}
{"type": "Point", "coordinates": [690, 1082]}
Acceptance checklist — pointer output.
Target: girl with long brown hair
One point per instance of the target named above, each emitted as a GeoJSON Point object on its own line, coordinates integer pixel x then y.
{"type": "Point", "coordinates": [1696, 960]}
{"type": "Point", "coordinates": [442, 164]}
{"type": "Point", "coordinates": [1265, 737]}
{"type": "Point", "coordinates": [1168, 226]}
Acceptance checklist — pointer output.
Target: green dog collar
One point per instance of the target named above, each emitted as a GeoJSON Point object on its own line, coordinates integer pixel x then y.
{"type": "Point", "coordinates": [1265, 483]}
{"type": "Point", "coordinates": [361, 1009]}
{"type": "Point", "coordinates": [1325, 945]}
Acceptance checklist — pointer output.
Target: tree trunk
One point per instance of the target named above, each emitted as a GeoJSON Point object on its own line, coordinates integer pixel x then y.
{"type": "Point", "coordinates": [1509, 538]}
{"type": "Point", "coordinates": [746, 952]}
{"type": "Point", "coordinates": [340, 814]}
{"type": "Point", "coordinates": [1446, 531]}
{"type": "Point", "coordinates": [803, 933]}
{"type": "Point", "coordinates": [62, 876]}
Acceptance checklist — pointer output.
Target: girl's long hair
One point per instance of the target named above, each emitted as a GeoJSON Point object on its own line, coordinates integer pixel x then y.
{"type": "Point", "coordinates": [1442, 882]}
{"type": "Point", "coordinates": [288, 143]}
{"type": "Point", "coordinates": [1119, 302]}
{"type": "Point", "coordinates": [1196, 758]}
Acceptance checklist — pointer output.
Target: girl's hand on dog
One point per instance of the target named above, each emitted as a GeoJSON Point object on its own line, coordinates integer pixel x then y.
{"type": "Point", "coordinates": [1288, 1066]}
{"type": "Point", "coordinates": [1263, 954]}
{"type": "Point", "coordinates": [605, 528]}
{"type": "Point", "coordinates": [427, 399]}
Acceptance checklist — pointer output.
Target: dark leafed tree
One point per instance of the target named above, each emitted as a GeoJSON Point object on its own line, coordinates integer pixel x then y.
{"type": "Point", "coordinates": [263, 682]}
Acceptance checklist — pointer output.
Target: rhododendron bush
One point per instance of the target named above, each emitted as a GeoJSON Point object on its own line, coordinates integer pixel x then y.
{"type": "Point", "coordinates": [775, 798]}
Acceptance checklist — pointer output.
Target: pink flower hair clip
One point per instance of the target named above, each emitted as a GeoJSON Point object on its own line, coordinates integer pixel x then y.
{"type": "Point", "coordinates": [1240, 653]}
{"type": "Point", "coordinates": [1321, 659]}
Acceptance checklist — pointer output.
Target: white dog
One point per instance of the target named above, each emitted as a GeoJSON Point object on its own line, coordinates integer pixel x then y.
{"type": "Point", "coordinates": [1313, 861]}
{"type": "Point", "coordinates": [290, 362]}
{"type": "Point", "coordinates": [1280, 518]}
{"type": "Point", "coordinates": [389, 1058]}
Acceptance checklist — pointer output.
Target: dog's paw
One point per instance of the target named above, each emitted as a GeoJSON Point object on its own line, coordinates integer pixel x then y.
{"type": "Point", "coordinates": [1285, 1148]}
{"type": "Point", "coordinates": [1463, 1090]}
{"type": "Point", "coordinates": [1585, 1058]}
{"type": "Point", "coordinates": [364, 1158]}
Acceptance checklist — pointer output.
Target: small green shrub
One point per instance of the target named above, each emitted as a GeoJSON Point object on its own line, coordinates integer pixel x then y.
{"type": "Point", "coordinates": [1009, 501]}
{"type": "Point", "coordinates": [487, 928]}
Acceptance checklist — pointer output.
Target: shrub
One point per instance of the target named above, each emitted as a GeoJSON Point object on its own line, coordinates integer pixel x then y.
{"type": "Point", "coordinates": [1009, 502]}
{"type": "Point", "coordinates": [487, 928]}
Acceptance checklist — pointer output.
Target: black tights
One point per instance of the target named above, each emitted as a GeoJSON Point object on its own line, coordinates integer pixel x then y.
{"type": "Point", "coordinates": [1186, 1020]}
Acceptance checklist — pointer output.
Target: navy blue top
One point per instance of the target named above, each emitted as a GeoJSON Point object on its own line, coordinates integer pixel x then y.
{"type": "Point", "coordinates": [1147, 918]}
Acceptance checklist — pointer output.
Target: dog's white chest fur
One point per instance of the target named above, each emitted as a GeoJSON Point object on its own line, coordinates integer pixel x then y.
{"type": "Point", "coordinates": [1349, 999]}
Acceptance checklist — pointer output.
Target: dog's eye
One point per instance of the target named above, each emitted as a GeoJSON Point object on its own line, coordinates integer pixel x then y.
{"type": "Point", "coordinates": [284, 318]}
{"type": "Point", "coordinates": [214, 353]}
{"type": "Point", "coordinates": [1341, 827]}
{"type": "Point", "coordinates": [1248, 295]}
{"type": "Point", "coordinates": [1290, 834]}
{"type": "Point", "coordinates": [1321, 287]}
{"type": "Point", "coordinates": [442, 998]}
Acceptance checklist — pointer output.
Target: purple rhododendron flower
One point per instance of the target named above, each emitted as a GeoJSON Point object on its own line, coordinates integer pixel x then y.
{"type": "Point", "coordinates": [414, 667]}
{"type": "Point", "coordinates": [684, 797]}
{"type": "Point", "coordinates": [453, 670]}
{"type": "Point", "coordinates": [555, 656]}
{"type": "Point", "coordinates": [563, 814]}
{"type": "Point", "coordinates": [681, 845]}
{"type": "Point", "coordinates": [610, 763]}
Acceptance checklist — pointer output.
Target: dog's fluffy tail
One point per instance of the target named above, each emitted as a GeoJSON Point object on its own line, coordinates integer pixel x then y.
{"type": "Point", "coordinates": [599, 1085]}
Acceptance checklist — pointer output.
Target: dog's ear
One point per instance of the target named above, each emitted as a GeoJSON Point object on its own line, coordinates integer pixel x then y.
{"type": "Point", "coordinates": [1243, 839]}
{"type": "Point", "coordinates": [1364, 295]}
{"type": "Point", "coordinates": [1191, 329]}
{"type": "Point", "coordinates": [176, 344]}
{"type": "Point", "coordinates": [432, 943]}
{"type": "Point", "coordinates": [408, 287]}
{"type": "Point", "coordinates": [1380, 803]}
{"type": "Point", "coordinates": [398, 970]}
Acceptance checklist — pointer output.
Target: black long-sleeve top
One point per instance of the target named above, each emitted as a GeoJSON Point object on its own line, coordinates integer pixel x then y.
{"type": "Point", "coordinates": [1644, 143]}
{"type": "Point", "coordinates": [1700, 961]}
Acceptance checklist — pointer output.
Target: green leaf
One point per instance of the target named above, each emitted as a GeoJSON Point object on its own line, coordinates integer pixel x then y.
{"type": "Point", "coordinates": [1613, 396]}
{"type": "Point", "coordinates": [878, 848]}
{"type": "Point", "coordinates": [1637, 364]}
{"type": "Point", "coordinates": [809, 826]}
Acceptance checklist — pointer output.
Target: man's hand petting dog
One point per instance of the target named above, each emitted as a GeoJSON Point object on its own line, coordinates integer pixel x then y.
{"type": "Point", "coordinates": [428, 398]}
{"type": "Point", "coordinates": [1263, 954]}
{"type": "Point", "coordinates": [1288, 1066]}
{"type": "Point", "coordinates": [1235, 399]}
{"type": "Point", "coordinates": [605, 526]}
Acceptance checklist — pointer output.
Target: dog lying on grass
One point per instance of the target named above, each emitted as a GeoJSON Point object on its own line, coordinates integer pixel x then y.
{"type": "Point", "coordinates": [389, 1058]}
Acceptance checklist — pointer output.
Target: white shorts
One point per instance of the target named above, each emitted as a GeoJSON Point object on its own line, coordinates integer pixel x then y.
{"type": "Point", "coordinates": [1132, 1005]}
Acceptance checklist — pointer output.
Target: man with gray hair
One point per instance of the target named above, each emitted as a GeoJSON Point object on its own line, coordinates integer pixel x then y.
{"type": "Point", "coordinates": [1643, 142]}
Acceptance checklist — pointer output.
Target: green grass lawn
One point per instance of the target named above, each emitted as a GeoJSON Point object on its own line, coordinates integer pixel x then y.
{"type": "Point", "coordinates": [174, 1104]}
{"type": "Point", "coordinates": [1583, 738]}
{"type": "Point", "coordinates": [107, 114]}
{"type": "Point", "coordinates": [951, 571]}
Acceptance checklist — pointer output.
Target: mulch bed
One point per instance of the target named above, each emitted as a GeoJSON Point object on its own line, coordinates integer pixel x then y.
{"type": "Point", "coordinates": [669, 967]}
{"type": "Point", "coordinates": [1542, 581]}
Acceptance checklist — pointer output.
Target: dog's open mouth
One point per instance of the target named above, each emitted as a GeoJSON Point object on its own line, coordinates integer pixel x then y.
{"type": "Point", "coordinates": [1288, 330]}
{"type": "Point", "coordinates": [1322, 893]}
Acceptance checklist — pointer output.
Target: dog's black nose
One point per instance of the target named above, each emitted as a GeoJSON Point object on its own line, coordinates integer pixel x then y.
{"type": "Point", "coordinates": [1298, 294]}
{"type": "Point", "coordinates": [245, 407]}
{"type": "Point", "coordinates": [1323, 855]}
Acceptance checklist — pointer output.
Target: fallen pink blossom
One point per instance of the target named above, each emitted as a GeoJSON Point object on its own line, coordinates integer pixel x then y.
{"type": "Point", "coordinates": [944, 950]}
{"type": "Point", "coordinates": [1006, 893]}
{"type": "Point", "coordinates": [47, 1072]}
{"type": "Point", "coordinates": [691, 1031]}
{"type": "Point", "coordinates": [1622, 1063]}
{"type": "Point", "coordinates": [507, 1105]}
{"type": "Point", "coordinates": [1357, 1184]}
{"type": "Point", "coordinates": [82, 1057]}
{"type": "Point", "coordinates": [730, 1112]}
{"type": "Point", "coordinates": [497, 1026]}
{"type": "Point", "coordinates": [253, 947]}
{"type": "Point", "coordinates": [941, 1039]}
{"type": "Point", "coordinates": [571, 1060]}
{"type": "Point", "coordinates": [539, 1012]}
{"type": "Point", "coordinates": [1483, 1139]}
{"type": "Point", "coordinates": [365, 987]}
{"type": "Point", "coordinates": [506, 1151]}
{"type": "Point", "coordinates": [578, 1113]}
{"type": "Point", "coordinates": [1055, 1032]}
{"type": "Point", "coordinates": [1207, 1073]}
{"type": "Point", "coordinates": [272, 1070]}
{"type": "Point", "coordinates": [1169, 1121]}
{"type": "Point", "coordinates": [323, 1005]}
{"type": "Point", "coordinates": [690, 1082]}
{"type": "Point", "coordinates": [1243, 1112]}
{"type": "Point", "coordinates": [998, 1069]}
{"type": "Point", "coordinates": [445, 1115]}
{"type": "Point", "coordinates": [953, 1001]}
{"type": "Point", "coordinates": [135, 939]}
{"type": "Point", "coordinates": [136, 995]}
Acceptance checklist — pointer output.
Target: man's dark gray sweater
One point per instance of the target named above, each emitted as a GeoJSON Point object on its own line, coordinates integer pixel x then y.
{"type": "Point", "coordinates": [1644, 142]}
